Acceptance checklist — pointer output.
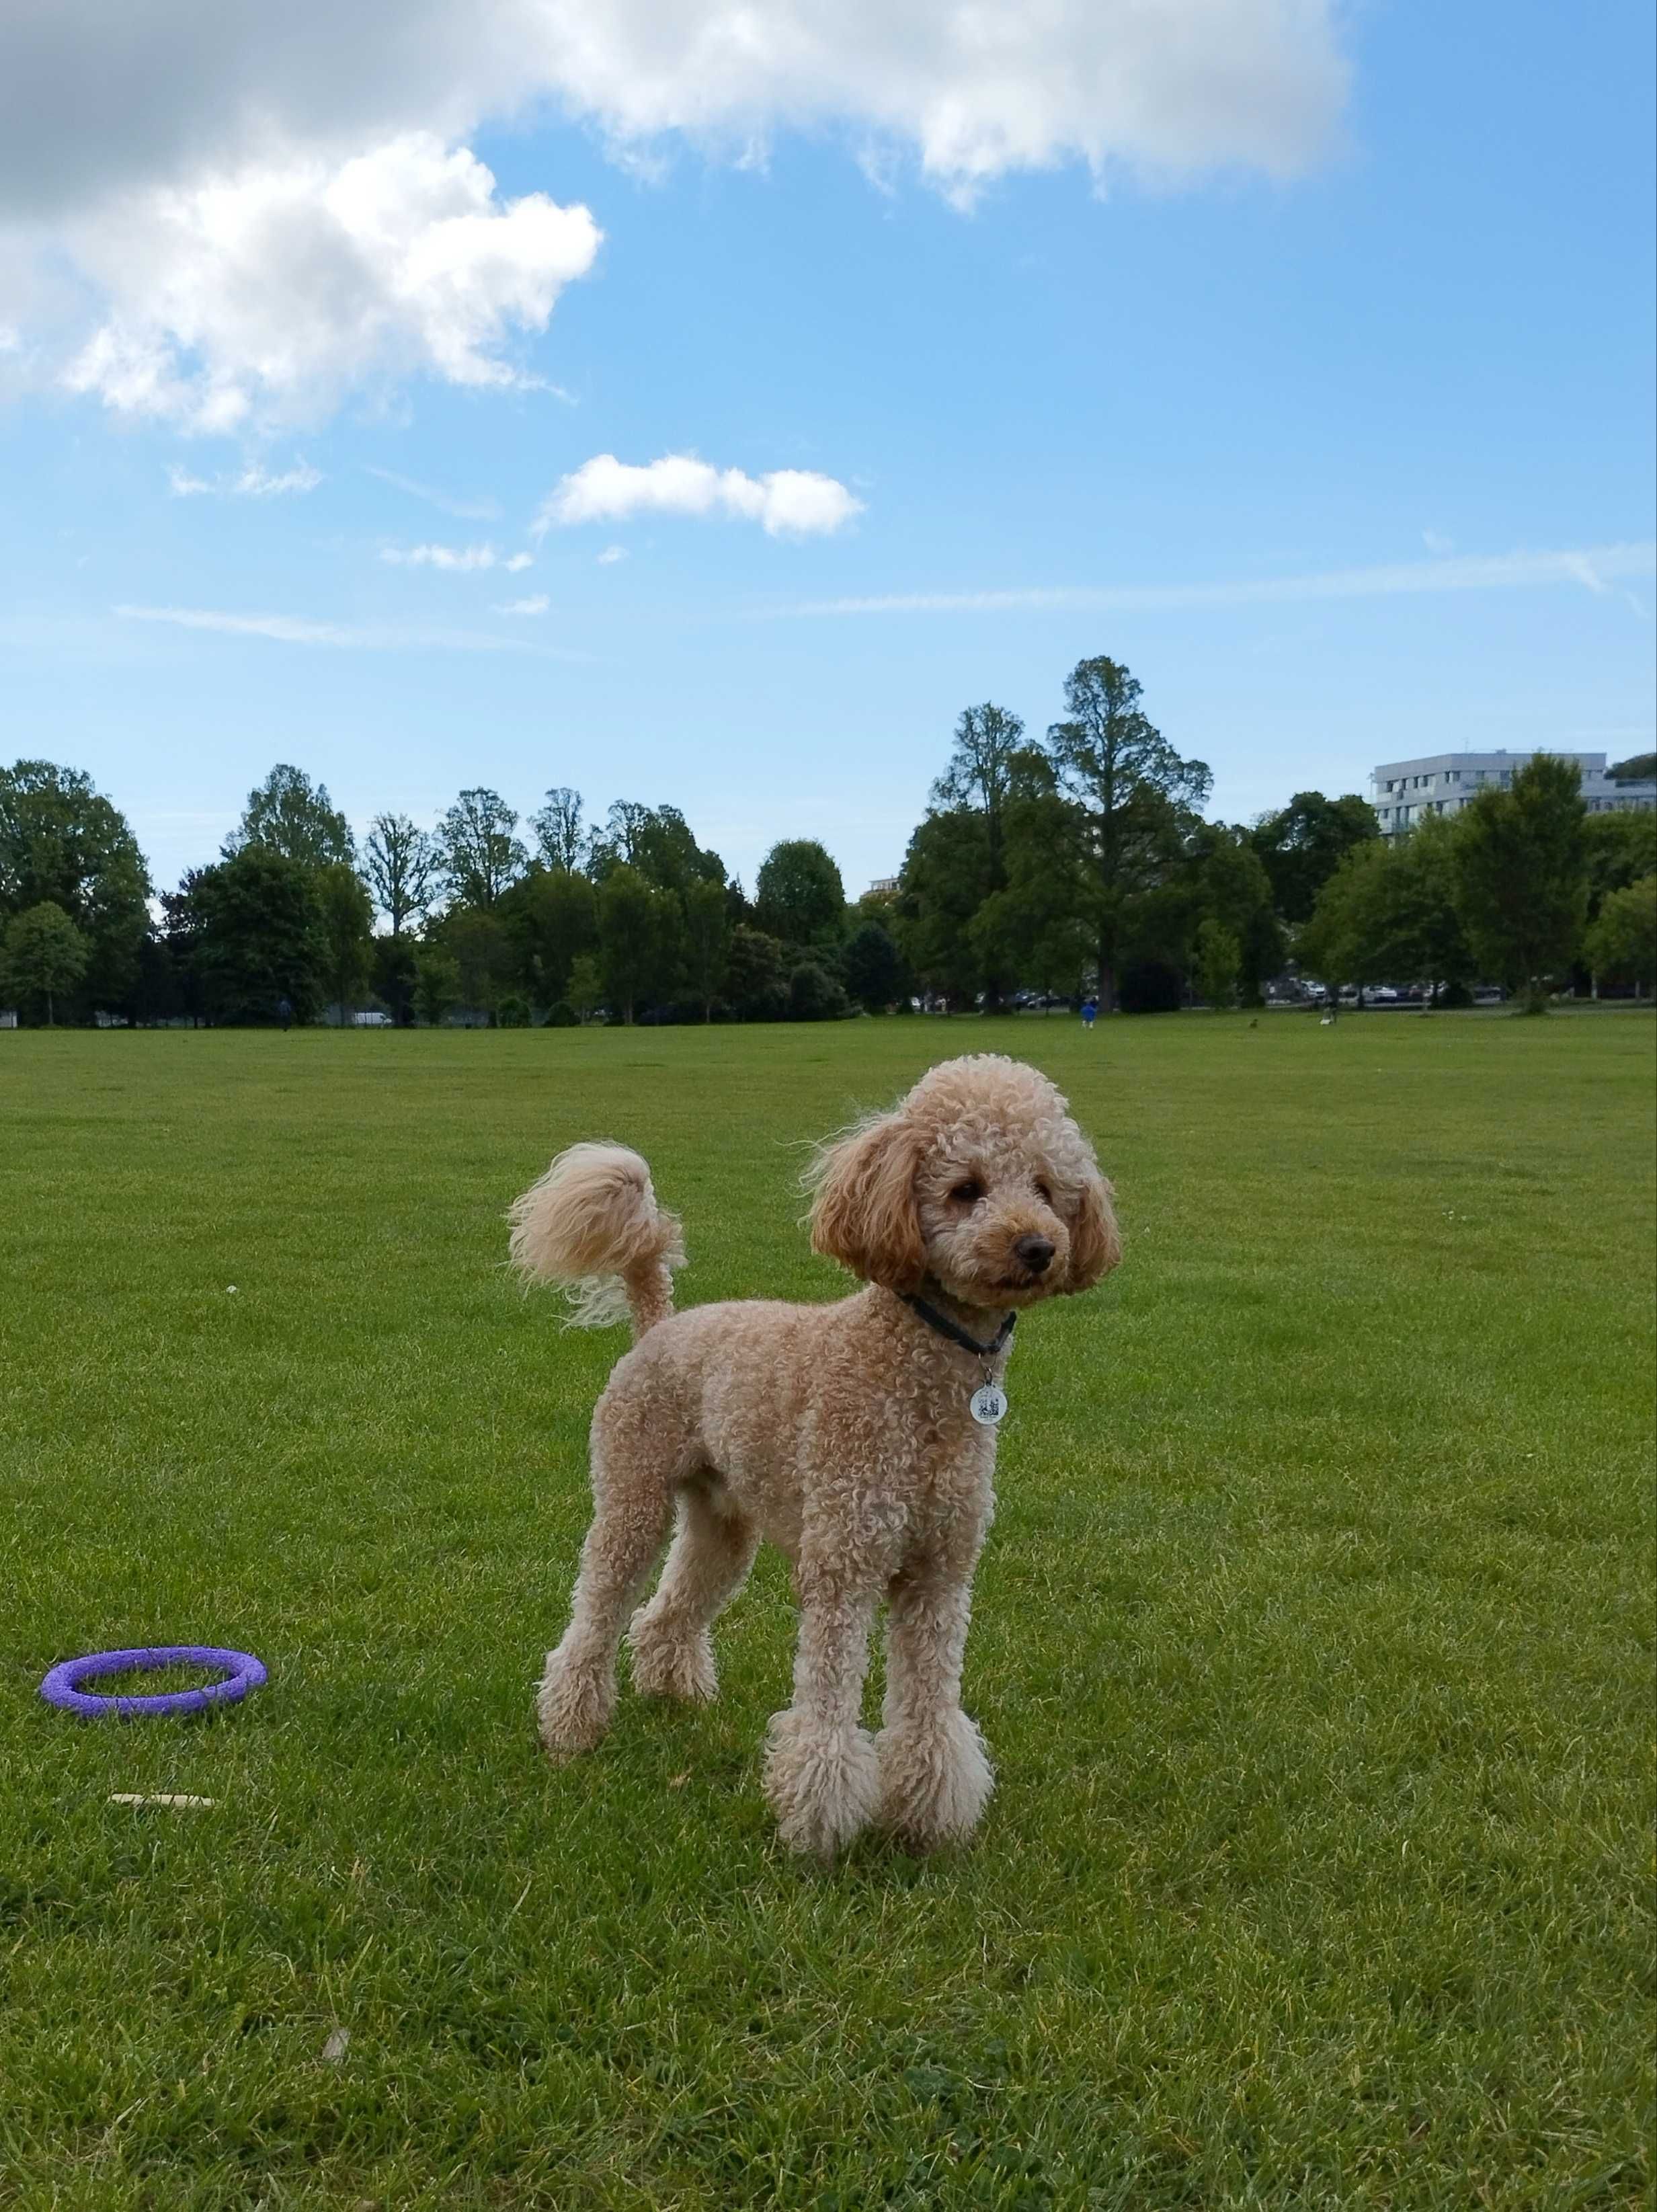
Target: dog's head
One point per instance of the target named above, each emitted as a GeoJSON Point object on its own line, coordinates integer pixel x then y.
{"type": "Point", "coordinates": [979, 1179]}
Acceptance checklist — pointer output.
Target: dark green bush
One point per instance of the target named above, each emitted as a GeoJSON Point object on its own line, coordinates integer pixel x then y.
{"type": "Point", "coordinates": [814, 995]}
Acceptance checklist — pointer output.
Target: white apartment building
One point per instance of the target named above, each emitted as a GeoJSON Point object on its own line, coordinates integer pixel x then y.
{"type": "Point", "coordinates": [1401, 791]}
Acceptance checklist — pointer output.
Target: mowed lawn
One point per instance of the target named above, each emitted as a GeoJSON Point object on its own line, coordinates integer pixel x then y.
{"type": "Point", "coordinates": [1313, 1644]}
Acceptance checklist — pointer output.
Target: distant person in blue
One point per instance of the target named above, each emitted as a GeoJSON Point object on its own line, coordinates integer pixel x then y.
{"type": "Point", "coordinates": [285, 1013]}
{"type": "Point", "coordinates": [1089, 1008]}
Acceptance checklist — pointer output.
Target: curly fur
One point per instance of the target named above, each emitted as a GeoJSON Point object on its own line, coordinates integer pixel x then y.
{"type": "Point", "coordinates": [592, 1224]}
{"type": "Point", "coordinates": [840, 1432]}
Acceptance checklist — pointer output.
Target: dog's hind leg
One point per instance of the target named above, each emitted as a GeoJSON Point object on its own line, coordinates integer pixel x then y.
{"type": "Point", "coordinates": [670, 1639]}
{"type": "Point", "coordinates": [634, 1500]}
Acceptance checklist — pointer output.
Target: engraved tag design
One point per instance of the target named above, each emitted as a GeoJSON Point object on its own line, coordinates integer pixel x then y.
{"type": "Point", "coordinates": [988, 1405]}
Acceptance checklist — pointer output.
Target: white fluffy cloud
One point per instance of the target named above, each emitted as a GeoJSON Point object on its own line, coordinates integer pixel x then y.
{"type": "Point", "coordinates": [457, 558]}
{"type": "Point", "coordinates": [97, 97]}
{"type": "Point", "coordinates": [268, 292]}
{"type": "Point", "coordinates": [787, 502]}
{"type": "Point", "coordinates": [271, 205]}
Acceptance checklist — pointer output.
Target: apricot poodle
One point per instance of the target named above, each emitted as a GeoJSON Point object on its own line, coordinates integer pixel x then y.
{"type": "Point", "coordinates": [858, 1436]}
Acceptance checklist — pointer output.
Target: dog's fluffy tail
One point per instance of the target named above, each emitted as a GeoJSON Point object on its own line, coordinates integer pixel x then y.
{"type": "Point", "coordinates": [592, 1224]}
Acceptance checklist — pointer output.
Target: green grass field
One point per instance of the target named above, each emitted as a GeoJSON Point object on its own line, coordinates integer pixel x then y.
{"type": "Point", "coordinates": [1313, 1644]}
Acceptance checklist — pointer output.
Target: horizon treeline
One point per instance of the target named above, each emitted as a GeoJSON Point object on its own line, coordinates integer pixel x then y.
{"type": "Point", "coordinates": [1043, 868]}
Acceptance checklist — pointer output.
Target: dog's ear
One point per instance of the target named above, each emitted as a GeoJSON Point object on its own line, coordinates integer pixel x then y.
{"type": "Point", "coordinates": [1096, 1243]}
{"type": "Point", "coordinates": [864, 1213]}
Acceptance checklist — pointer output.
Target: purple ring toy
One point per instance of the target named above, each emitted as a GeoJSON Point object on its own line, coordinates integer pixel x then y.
{"type": "Point", "coordinates": [63, 1686]}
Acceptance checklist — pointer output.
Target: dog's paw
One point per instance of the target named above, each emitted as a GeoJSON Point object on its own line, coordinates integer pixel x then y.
{"type": "Point", "coordinates": [823, 1787]}
{"type": "Point", "coordinates": [935, 1781]}
{"type": "Point", "coordinates": [666, 1665]}
{"type": "Point", "coordinates": [574, 1708]}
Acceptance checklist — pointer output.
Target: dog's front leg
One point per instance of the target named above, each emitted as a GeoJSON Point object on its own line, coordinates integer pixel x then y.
{"type": "Point", "coordinates": [821, 1773]}
{"type": "Point", "coordinates": [934, 1775]}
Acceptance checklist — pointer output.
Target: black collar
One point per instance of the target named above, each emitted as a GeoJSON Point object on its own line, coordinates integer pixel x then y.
{"type": "Point", "coordinates": [945, 1327]}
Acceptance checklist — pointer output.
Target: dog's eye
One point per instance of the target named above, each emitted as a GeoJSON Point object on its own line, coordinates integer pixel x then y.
{"type": "Point", "coordinates": [1044, 1194]}
{"type": "Point", "coordinates": [968, 1192]}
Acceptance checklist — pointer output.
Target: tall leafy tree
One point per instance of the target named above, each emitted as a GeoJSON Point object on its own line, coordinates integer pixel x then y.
{"type": "Point", "coordinates": [290, 815]}
{"type": "Point", "coordinates": [1233, 889]}
{"type": "Point", "coordinates": [1521, 875]}
{"type": "Point", "coordinates": [477, 852]}
{"type": "Point", "coordinates": [1130, 790]}
{"type": "Point", "coordinates": [991, 777]}
{"type": "Point", "coordinates": [874, 966]}
{"type": "Point", "coordinates": [475, 938]}
{"type": "Point", "coordinates": [402, 868]}
{"type": "Point", "coordinates": [1219, 963]}
{"type": "Point", "coordinates": [178, 978]}
{"type": "Point", "coordinates": [257, 936]}
{"type": "Point", "coordinates": [638, 939]}
{"type": "Point", "coordinates": [437, 982]}
{"type": "Point", "coordinates": [1622, 943]}
{"type": "Point", "coordinates": [707, 943]}
{"type": "Point", "coordinates": [395, 969]}
{"type": "Point", "coordinates": [550, 917]}
{"type": "Point", "coordinates": [585, 994]}
{"type": "Point", "coordinates": [982, 776]}
{"type": "Point", "coordinates": [347, 915]}
{"type": "Point", "coordinates": [798, 894]}
{"type": "Point", "coordinates": [560, 835]}
{"type": "Point", "coordinates": [617, 844]}
{"type": "Point", "coordinates": [43, 956]}
{"type": "Point", "coordinates": [1032, 932]}
{"type": "Point", "coordinates": [1303, 844]}
{"type": "Point", "coordinates": [656, 840]}
{"type": "Point", "coordinates": [944, 883]}
{"type": "Point", "coordinates": [757, 974]}
{"type": "Point", "coordinates": [62, 840]}
{"type": "Point", "coordinates": [666, 854]}
{"type": "Point", "coordinates": [1620, 849]}
{"type": "Point", "coordinates": [1389, 914]}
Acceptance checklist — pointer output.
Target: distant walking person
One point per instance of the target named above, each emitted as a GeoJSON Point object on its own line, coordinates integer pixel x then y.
{"type": "Point", "coordinates": [1089, 1008]}
{"type": "Point", "coordinates": [285, 1013]}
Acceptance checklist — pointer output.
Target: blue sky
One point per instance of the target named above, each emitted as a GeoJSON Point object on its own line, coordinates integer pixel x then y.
{"type": "Point", "coordinates": [1336, 427]}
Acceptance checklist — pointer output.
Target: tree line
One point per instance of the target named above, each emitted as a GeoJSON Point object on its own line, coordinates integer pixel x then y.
{"type": "Point", "coordinates": [1045, 867]}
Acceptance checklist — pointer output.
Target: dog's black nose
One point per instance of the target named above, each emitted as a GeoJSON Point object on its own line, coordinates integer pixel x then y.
{"type": "Point", "coordinates": [1034, 1253]}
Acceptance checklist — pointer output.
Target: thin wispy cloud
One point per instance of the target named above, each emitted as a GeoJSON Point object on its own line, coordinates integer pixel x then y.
{"type": "Point", "coordinates": [462, 510]}
{"type": "Point", "coordinates": [1594, 568]}
{"type": "Point", "coordinates": [251, 482]}
{"type": "Point", "coordinates": [457, 558]}
{"type": "Point", "coordinates": [611, 555]}
{"type": "Point", "coordinates": [362, 637]}
{"type": "Point", "coordinates": [537, 604]}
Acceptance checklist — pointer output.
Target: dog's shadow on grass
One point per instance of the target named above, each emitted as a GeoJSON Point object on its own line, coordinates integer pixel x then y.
{"type": "Point", "coordinates": [672, 1779]}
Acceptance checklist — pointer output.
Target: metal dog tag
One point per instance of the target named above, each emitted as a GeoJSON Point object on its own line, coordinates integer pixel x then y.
{"type": "Point", "coordinates": [988, 1405]}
